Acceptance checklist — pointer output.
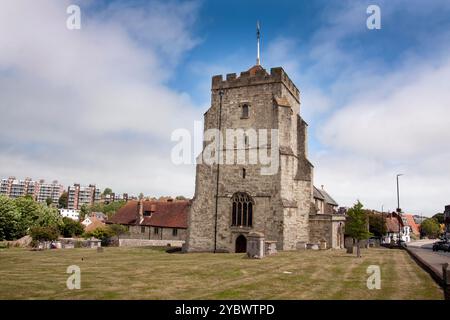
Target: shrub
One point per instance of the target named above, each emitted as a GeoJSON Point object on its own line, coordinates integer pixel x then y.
{"type": "Point", "coordinates": [71, 228]}
{"type": "Point", "coordinates": [44, 233]}
{"type": "Point", "coordinates": [102, 234]}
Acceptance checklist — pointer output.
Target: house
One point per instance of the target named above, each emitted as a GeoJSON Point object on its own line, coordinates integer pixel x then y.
{"type": "Point", "coordinates": [153, 220]}
{"type": "Point", "coordinates": [396, 228]}
{"type": "Point", "coordinates": [70, 213]}
{"type": "Point", "coordinates": [92, 222]}
{"type": "Point", "coordinates": [410, 221]}
{"type": "Point", "coordinates": [100, 216]}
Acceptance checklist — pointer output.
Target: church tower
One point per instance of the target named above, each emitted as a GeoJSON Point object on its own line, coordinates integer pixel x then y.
{"type": "Point", "coordinates": [233, 198]}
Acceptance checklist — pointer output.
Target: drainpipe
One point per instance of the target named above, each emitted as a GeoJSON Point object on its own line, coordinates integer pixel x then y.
{"type": "Point", "coordinates": [219, 125]}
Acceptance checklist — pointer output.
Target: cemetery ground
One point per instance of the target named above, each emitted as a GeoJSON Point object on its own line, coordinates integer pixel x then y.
{"type": "Point", "coordinates": [152, 273]}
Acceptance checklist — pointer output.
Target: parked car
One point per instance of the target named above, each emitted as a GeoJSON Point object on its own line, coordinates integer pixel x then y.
{"type": "Point", "coordinates": [441, 245]}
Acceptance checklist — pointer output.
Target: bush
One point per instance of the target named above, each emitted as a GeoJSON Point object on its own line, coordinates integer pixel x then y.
{"type": "Point", "coordinates": [102, 234]}
{"type": "Point", "coordinates": [44, 233]}
{"type": "Point", "coordinates": [430, 227]}
{"type": "Point", "coordinates": [71, 228]}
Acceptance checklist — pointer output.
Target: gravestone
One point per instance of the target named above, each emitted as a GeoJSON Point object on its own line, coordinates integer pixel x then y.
{"type": "Point", "coordinates": [255, 245]}
{"type": "Point", "coordinates": [270, 247]}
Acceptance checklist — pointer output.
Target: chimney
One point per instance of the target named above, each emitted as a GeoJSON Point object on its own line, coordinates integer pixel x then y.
{"type": "Point", "coordinates": [140, 212]}
{"type": "Point", "coordinates": [322, 187]}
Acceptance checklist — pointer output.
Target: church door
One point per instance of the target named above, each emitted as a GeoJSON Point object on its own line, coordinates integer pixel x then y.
{"type": "Point", "coordinates": [241, 244]}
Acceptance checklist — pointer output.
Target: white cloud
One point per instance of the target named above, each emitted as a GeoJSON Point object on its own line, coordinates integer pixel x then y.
{"type": "Point", "coordinates": [92, 105]}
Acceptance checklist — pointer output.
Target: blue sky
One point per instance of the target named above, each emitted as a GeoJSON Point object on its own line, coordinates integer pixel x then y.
{"type": "Point", "coordinates": [99, 104]}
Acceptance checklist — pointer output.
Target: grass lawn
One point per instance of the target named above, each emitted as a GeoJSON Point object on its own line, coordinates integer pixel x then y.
{"type": "Point", "coordinates": [145, 273]}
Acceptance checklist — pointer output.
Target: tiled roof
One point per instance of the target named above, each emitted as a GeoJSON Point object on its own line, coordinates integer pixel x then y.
{"type": "Point", "coordinates": [95, 223]}
{"type": "Point", "coordinates": [323, 195]}
{"type": "Point", "coordinates": [169, 214]}
{"type": "Point", "coordinates": [412, 223]}
{"type": "Point", "coordinates": [392, 224]}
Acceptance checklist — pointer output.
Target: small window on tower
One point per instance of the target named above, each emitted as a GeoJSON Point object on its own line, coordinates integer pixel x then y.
{"type": "Point", "coordinates": [243, 173]}
{"type": "Point", "coordinates": [244, 111]}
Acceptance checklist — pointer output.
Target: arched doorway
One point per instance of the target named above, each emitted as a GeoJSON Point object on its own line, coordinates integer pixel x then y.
{"type": "Point", "coordinates": [241, 244]}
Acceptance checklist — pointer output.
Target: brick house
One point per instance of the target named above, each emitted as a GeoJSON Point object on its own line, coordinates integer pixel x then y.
{"type": "Point", "coordinates": [153, 219]}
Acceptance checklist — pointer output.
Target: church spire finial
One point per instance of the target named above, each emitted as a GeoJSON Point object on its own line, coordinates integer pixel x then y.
{"type": "Point", "coordinates": [257, 43]}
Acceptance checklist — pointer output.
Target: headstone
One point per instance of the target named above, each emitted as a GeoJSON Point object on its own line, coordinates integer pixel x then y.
{"type": "Point", "coordinates": [301, 245]}
{"type": "Point", "coordinates": [255, 245]}
{"type": "Point", "coordinates": [94, 243]}
{"type": "Point", "coordinates": [270, 247]}
{"type": "Point", "coordinates": [322, 245]}
{"type": "Point", "coordinates": [348, 242]}
{"type": "Point", "coordinates": [312, 246]}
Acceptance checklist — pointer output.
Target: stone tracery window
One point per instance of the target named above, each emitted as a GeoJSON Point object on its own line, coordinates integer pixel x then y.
{"type": "Point", "coordinates": [242, 210]}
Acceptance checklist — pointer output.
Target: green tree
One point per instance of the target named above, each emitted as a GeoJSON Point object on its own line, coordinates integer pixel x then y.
{"type": "Point", "coordinates": [29, 212]}
{"type": "Point", "coordinates": [49, 201]}
{"type": "Point", "coordinates": [10, 220]}
{"type": "Point", "coordinates": [63, 200]}
{"type": "Point", "coordinates": [117, 230]}
{"type": "Point", "coordinates": [377, 224]}
{"type": "Point", "coordinates": [439, 217]}
{"type": "Point", "coordinates": [71, 228]}
{"type": "Point", "coordinates": [102, 234]}
{"type": "Point", "coordinates": [48, 217]}
{"type": "Point", "coordinates": [430, 228]}
{"type": "Point", "coordinates": [85, 211]}
{"type": "Point", "coordinates": [180, 198]}
{"type": "Point", "coordinates": [356, 225]}
{"type": "Point", "coordinates": [109, 209]}
{"type": "Point", "coordinates": [48, 233]}
{"type": "Point", "coordinates": [107, 191]}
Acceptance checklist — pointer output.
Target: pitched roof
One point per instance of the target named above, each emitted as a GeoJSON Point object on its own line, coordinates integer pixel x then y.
{"type": "Point", "coordinates": [323, 195]}
{"type": "Point", "coordinates": [412, 223]}
{"type": "Point", "coordinates": [169, 214]}
{"type": "Point", "coordinates": [95, 223]}
{"type": "Point", "coordinates": [317, 194]}
{"type": "Point", "coordinates": [393, 224]}
{"type": "Point", "coordinates": [255, 69]}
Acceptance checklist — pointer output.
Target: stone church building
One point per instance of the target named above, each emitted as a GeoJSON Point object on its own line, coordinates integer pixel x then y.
{"type": "Point", "coordinates": [233, 200]}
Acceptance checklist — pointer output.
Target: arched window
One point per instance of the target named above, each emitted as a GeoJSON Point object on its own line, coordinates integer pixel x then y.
{"type": "Point", "coordinates": [244, 111]}
{"type": "Point", "coordinates": [242, 210]}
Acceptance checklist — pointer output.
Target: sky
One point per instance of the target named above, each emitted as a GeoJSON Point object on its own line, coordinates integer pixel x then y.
{"type": "Point", "coordinates": [99, 104]}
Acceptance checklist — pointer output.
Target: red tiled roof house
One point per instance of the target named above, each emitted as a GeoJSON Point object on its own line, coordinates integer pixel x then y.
{"type": "Point", "coordinates": [153, 220]}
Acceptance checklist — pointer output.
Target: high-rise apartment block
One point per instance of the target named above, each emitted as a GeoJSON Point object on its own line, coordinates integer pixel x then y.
{"type": "Point", "coordinates": [38, 190]}
{"type": "Point", "coordinates": [79, 195]}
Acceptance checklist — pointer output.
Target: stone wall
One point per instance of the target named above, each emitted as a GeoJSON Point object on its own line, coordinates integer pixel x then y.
{"type": "Point", "coordinates": [149, 233]}
{"type": "Point", "coordinates": [329, 228]}
{"type": "Point", "coordinates": [152, 243]}
{"type": "Point", "coordinates": [282, 200]}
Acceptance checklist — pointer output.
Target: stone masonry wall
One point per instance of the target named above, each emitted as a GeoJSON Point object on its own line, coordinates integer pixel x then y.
{"type": "Point", "coordinates": [282, 202]}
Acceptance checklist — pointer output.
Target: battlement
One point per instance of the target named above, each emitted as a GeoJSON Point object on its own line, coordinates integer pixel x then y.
{"type": "Point", "coordinates": [255, 76]}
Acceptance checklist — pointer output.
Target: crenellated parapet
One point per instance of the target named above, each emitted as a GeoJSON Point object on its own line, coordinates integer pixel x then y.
{"type": "Point", "coordinates": [255, 76]}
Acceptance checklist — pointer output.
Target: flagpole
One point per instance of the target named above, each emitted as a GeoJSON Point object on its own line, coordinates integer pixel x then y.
{"type": "Point", "coordinates": [257, 43]}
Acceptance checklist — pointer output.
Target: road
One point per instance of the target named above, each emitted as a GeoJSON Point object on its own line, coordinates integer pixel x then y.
{"type": "Point", "coordinates": [423, 249]}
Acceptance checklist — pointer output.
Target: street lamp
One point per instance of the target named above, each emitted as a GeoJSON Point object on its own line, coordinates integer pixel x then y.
{"type": "Point", "coordinates": [398, 209]}
{"type": "Point", "coordinates": [398, 195]}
